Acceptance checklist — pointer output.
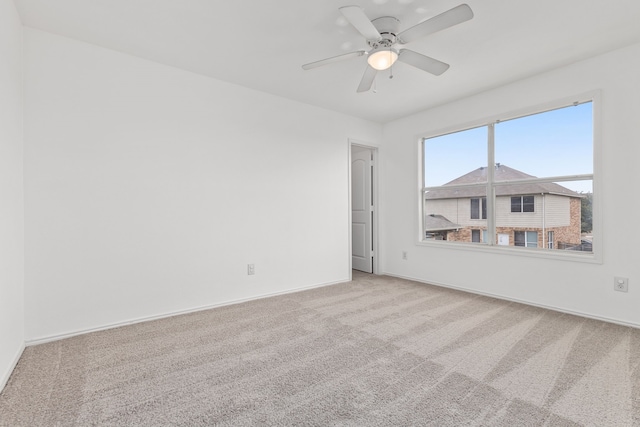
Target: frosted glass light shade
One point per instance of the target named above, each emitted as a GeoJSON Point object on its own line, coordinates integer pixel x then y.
{"type": "Point", "coordinates": [382, 59]}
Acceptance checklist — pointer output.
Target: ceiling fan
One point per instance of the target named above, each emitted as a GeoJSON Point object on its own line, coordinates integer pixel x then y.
{"type": "Point", "coordinates": [382, 37]}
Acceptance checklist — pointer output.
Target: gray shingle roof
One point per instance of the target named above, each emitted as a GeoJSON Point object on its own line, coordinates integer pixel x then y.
{"type": "Point", "coordinates": [502, 173]}
{"type": "Point", "coordinates": [435, 222]}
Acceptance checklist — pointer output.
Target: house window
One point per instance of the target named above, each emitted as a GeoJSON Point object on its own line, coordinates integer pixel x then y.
{"type": "Point", "coordinates": [528, 239]}
{"type": "Point", "coordinates": [540, 165]}
{"type": "Point", "coordinates": [478, 207]}
{"type": "Point", "coordinates": [522, 204]}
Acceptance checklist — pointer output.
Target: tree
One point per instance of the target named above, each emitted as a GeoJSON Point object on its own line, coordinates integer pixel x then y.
{"type": "Point", "coordinates": [586, 213]}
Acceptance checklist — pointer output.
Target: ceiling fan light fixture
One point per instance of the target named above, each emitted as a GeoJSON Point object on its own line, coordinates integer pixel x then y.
{"type": "Point", "coordinates": [382, 59]}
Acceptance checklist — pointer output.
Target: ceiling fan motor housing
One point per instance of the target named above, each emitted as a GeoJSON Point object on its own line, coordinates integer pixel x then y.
{"type": "Point", "coordinates": [388, 27]}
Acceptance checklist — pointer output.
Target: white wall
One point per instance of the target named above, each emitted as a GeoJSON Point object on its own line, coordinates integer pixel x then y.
{"type": "Point", "coordinates": [11, 191]}
{"type": "Point", "coordinates": [149, 189]}
{"type": "Point", "coordinates": [574, 286]}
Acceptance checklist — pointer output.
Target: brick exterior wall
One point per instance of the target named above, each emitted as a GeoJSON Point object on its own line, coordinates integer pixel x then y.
{"type": "Point", "coordinates": [462, 235]}
{"type": "Point", "coordinates": [572, 234]}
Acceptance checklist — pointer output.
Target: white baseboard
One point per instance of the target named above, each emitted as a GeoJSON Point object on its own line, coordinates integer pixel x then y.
{"type": "Point", "coordinates": [5, 377]}
{"type": "Point", "coordinates": [50, 338]}
{"type": "Point", "coordinates": [506, 298]}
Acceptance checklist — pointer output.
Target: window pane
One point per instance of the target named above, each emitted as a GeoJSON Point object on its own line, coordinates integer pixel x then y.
{"type": "Point", "coordinates": [553, 143]}
{"type": "Point", "coordinates": [518, 238]}
{"type": "Point", "coordinates": [528, 211]}
{"type": "Point", "coordinates": [516, 204]}
{"type": "Point", "coordinates": [484, 208]}
{"type": "Point", "coordinates": [528, 203]}
{"type": "Point", "coordinates": [475, 208]}
{"type": "Point", "coordinates": [457, 156]}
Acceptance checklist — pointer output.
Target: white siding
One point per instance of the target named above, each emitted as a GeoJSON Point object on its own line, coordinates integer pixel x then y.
{"type": "Point", "coordinates": [459, 211]}
{"type": "Point", "coordinates": [449, 208]}
{"type": "Point", "coordinates": [558, 209]}
{"type": "Point", "coordinates": [455, 210]}
{"type": "Point", "coordinates": [506, 218]}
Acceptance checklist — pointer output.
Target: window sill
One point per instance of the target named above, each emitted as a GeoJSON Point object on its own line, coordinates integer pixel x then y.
{"type": "Point", "coordinates": [571, 256]}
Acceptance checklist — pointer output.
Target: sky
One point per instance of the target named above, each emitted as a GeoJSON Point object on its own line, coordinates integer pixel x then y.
{"type": "Point", "coordinates": [553, 143]}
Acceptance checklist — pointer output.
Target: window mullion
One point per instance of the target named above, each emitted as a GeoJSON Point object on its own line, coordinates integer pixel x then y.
{"type": "Point", "coordinates": [491, 199]}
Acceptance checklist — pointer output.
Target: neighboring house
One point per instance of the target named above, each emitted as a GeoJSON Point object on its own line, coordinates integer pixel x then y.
{"type": "Point", "coordinates": [533, 215]}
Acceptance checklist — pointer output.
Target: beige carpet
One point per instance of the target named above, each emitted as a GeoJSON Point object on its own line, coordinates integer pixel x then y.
{"type": "Point", "coordinates": [377, 351]}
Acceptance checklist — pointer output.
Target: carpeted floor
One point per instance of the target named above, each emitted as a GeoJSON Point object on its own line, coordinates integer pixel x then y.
{"type": "Point", "coordinates": [377, 351]}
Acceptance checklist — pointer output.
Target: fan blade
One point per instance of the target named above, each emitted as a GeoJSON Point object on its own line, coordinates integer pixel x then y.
{"type": "Point", "coordinates": [422, 62]}
{"type": "Point", "coordinates": [367, 79]}
{"type": "Point", "coordinates": [359, 20]}
{"type": "Point", "coordinates": [451, 17]}
{"type": "Point", "coordinates": [333, 59]}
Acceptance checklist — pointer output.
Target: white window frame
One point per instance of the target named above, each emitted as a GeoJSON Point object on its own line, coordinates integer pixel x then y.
{"type": "Point", "coordinates": [593, 257]}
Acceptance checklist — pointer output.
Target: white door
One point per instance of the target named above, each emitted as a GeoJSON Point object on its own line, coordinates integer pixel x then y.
{"type": "Point", "coordinates": [361, 210]}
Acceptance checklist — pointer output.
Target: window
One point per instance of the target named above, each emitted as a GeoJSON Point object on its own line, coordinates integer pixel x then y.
{"type": "Point", "coordinates": [479, 206]}
{"type": "Point", "coordinates": [519, 179]}
{"type": "Point", "coordinates": [523, 204]}
{"type": "Point", "coordinates": [528, 239]}
{"type": "Point", "coordinates": [475, 209]}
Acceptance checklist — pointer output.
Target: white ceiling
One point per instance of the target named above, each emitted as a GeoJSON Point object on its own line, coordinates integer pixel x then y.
{"type": "Point", "coordinates": [261, 44]}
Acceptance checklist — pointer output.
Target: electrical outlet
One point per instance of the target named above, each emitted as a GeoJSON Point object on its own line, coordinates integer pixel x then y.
{"type": "Point", "coordinates": [404, 255]}
{"type": "Point", "coordinates": [251, 269]}
{"type": "Point", "coordinates": [621, 284]}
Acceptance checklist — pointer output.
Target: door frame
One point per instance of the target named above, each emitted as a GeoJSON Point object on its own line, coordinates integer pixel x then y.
{"type": "Point", "coordinates": [374, 194]}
